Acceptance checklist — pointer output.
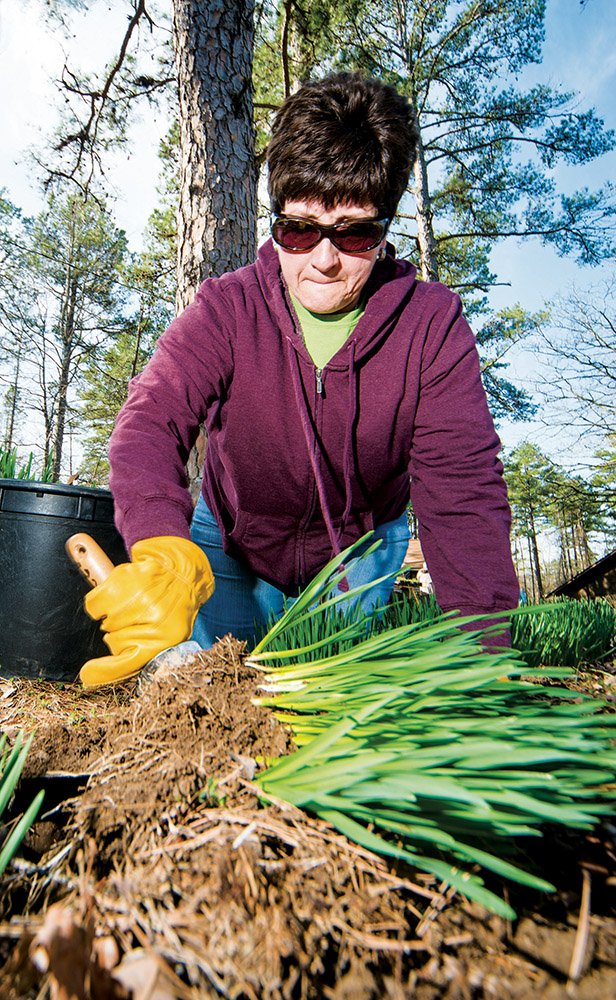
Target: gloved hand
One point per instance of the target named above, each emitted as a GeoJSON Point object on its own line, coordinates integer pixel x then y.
{"type": "Point", "coordinates": [147, 605]}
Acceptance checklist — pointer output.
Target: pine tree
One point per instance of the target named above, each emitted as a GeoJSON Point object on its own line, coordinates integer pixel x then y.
{"type": "Point", "coordinates": [527, 471]}
{"type": "Point", "coordinates": [149, 277]}
{"type": "Point", "coordinates": [71, 271]}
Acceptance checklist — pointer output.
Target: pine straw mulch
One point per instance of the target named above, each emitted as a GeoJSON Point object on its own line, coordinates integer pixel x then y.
{"type": "Point", "coordinates": [156, 871]}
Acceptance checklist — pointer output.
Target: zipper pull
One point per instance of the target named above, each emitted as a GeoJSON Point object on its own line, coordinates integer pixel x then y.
{"type": "Point", "coordinates": [319, 373]}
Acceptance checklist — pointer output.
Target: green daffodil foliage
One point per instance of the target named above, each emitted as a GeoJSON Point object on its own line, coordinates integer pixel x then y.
{"type": "Point", "coordinates": [11, 765]}
{"type": "Point", "coordinates": [417, 743]}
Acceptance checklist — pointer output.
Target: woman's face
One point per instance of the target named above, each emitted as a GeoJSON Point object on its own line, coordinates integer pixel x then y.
{"type": "Point", "coordinates": [324, 279]}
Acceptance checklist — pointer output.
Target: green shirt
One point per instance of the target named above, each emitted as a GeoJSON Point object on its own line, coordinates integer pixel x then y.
{"type": "Point", "coordinates": [325, 333]}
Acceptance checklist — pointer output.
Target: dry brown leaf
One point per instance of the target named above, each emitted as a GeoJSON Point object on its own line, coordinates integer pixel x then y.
{"type": "Point", "coordinates": [78, 966]}
{"type": "Point", "coordinates": [142, 974]}
{"type": "Point", "coordinates": [62, 948]}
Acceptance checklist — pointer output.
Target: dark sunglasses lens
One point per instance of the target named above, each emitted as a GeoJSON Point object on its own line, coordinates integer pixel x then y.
{"type": "Point", "coordinates": [358, 237]}
{"type": "Point", "coordinates": [293, 234]}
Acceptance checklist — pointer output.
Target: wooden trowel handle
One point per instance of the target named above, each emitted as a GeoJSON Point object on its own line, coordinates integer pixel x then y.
{"type": "Point", "coordinates": [89, 558]}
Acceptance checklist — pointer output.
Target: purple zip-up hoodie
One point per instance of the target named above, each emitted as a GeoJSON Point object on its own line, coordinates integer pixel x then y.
{"type": "Point", "coordinates": [302, 462]}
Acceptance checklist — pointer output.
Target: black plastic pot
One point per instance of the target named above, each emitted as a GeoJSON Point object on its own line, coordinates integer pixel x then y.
{"type": "Point", "coordinates": [44, 631]}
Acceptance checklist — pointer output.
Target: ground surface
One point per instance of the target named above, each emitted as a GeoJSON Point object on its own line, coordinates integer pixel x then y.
{"type": "Point", "coordinates": [156, 871]}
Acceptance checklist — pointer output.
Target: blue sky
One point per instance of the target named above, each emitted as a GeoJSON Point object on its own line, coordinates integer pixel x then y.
{"type": "Point", "coordinates": [579, 54]}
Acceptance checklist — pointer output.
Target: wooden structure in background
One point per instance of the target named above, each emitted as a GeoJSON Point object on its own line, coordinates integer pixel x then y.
{"type": "Point", "coordinates": [598, 580]}
{"type": "Point", "coordinates": [413, 560]}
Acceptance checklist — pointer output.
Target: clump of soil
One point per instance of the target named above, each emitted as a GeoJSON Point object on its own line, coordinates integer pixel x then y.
{"type": "Point", "coordinates": [162, 852]}
{"type": "Point", "coordinates": [190, 729]}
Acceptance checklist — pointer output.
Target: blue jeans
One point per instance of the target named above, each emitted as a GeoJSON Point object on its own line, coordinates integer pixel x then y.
{"type": "Point", "coordinates": [242, 603]}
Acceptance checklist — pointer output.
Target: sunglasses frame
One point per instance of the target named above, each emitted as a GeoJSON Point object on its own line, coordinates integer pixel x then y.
{"type": "Point", "coordinates": [328, 232]}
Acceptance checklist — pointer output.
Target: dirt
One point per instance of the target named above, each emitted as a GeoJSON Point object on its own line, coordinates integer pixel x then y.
{"type": "Point", "coordinates": [157, 862]}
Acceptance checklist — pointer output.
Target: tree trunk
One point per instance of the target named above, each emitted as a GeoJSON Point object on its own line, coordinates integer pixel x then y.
{"type": "Point", "coordinates": [67, 335]}
{"type": "Point", "coordinates": [565, 548]}
{"type": "Point", "coordinates": [531, 566]}
{"type": "Point", "coordinates": [13, 400]}
{"type": "Point", "coordinates": [563, 563]}
{"type": "Point", "coordinates": [574, 549]}
{"type": "Point", "coordinates": [425, 228]}
{"type": "Point", "coordinates": [293, 48]}
{"type": "Point", "coordinates": [584, 546]}
{"type": "Point", "coordinates": [534, 548]}
{"type": "Point", "coordinates": [62, 405]}
{"type": "Point", "coordinates": [134, 368]}
{"type": "Point", "coordinates": [213, 42]}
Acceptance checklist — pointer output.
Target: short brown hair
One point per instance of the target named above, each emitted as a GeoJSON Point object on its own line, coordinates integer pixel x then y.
{"type": "Point", "coordinates": [345, 138]}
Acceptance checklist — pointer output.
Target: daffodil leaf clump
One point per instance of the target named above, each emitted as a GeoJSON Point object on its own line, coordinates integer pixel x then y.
{"type": "Point", "coordinates": [421, 744]}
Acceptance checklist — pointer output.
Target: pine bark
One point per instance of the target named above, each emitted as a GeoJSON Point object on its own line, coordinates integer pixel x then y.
{"type": "Point", "coordinates": [213, 43]}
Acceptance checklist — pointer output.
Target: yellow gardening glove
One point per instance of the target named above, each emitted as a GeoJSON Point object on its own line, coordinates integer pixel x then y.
{"type": "Point", "coordinates": [147, 605]}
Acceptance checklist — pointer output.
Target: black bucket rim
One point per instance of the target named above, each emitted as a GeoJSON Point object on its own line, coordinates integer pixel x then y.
{"type": "Point", "coordinates": [61, 488]}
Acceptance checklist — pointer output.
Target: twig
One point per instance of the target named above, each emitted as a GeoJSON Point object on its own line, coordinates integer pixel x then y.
{"type": "Point", "coordinates": [376, 943]}
{"type": "Point", "coordinates": [581, 936]}
{"type": "Point", "coordinates": [446, 894]}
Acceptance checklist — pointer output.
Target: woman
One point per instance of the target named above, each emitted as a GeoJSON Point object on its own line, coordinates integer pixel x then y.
{"type": "Point", "coordinates": [327, 377]}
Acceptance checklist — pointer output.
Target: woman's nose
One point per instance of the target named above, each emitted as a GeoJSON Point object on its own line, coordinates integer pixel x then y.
{"type": "Point", "coordinates": [325, 254]}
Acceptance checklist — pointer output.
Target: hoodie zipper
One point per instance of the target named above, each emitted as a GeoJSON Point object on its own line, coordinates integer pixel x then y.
{"type": "Point", "coordinates": [312, 497]}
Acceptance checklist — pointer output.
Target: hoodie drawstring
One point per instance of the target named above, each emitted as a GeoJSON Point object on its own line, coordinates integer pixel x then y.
{"type": "Point", "coordinates": [347, 457]}
{"type": "Point", "coordinates": [310, 438]}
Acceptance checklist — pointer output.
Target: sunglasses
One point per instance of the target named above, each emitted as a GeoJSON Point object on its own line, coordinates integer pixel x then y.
{"type": "Point", "coordinates": [299, 235]}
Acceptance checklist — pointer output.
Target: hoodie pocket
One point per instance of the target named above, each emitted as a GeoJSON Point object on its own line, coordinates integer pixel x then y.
{"type": "Point", "coordinates": [272, 546]}
{"type": "Point", "coordinates": [267, 544]}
